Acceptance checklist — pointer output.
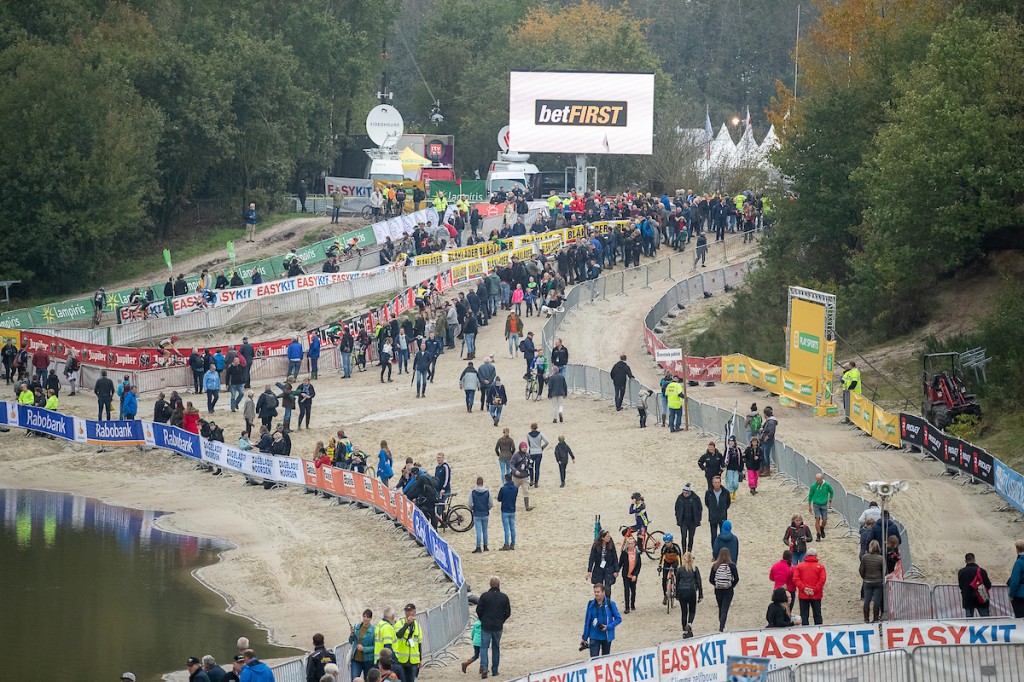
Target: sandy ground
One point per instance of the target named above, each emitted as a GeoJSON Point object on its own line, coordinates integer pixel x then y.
{"type": "Point", "coordinates": [284, 537]}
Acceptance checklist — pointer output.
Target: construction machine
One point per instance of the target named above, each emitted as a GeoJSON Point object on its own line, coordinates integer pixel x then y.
{"type": "Point", "coordinates": [945, 393]}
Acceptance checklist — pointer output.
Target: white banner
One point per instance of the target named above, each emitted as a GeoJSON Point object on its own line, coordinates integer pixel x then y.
{"type": "Point", "coordinates": [256, 464]}
{"type": "Point", "coordinates": [632, 666]}
{"type": "Point", "coordinates": [399, 226]}
{"type": "Point", "coordinates": [356, 191]}
{"type": "Point", "coordinates": [913, 633]}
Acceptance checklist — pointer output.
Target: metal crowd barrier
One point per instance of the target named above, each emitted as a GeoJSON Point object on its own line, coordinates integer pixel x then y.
{"type": "Point", "coordinates": [988, 663]}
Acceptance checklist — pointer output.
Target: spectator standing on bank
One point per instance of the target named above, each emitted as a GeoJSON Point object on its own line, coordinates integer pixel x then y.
{"type": "Point", "coordinates": [717, 502]}
{"type": "Point", "coordinates": [480, 502]}
{"type": "Point", "coordinates": [507, 499]}
{"type": "Point", "coordinates": [249, 219]}
{"type": "Point", "coordinates": [1016, 582]}
{"type": "Point", "coordinates": [248, 353]}
{"type": "Point", "coordinates": [621, 373]}
{"type": "Point", "coordinates": [809, 577]}
{"type": "Point", "coordinates": [362, 639]}
{"type": "Point", "coordinates": [674, 402]}
{"type": "Point", "coordinates": [408, 640]}
{"type": "Point", "coordinates": [104, 390]}
{"type": "Point", "coordinates": [688, 516]}
{"type": "Point", "coordinates": [819, 498]}
{"type": "Point", "coordinates": [211, 383]}
{"type": "Point", "coordinates": [557, 392]}
{"type": "Point", "coordinates": [975, 587]}
{"type": "Point", "coordinates": [314, 356]}
{"type": "Point", "coordinates": [599, 624]}
{"type": "Point", "coordinates": [872, 572]}
{"type": "Point", "coordinates": [768, 440]}
{"type": "Point", "coordinates": [294, 353]}
{"type": "Point", "coordinates": [493, 609]}
{"type": "Point", "coordinates": [724, 576]}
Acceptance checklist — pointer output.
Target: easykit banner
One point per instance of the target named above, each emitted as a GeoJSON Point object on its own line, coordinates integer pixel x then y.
{"type": "Point", "coordinates": [355, 191]}
{"type": "Point", "coordinates": [632, 666]}
{"type": "Point", "coordinates": [968, 631]}
{"type": "Point", "coordinates": [134, 313]}
{"type": "Point", "coordinates": [706, 658]}
{"type": "Point", "coordinates": [862, 412]}
{"type": "Point", "coordinates": [953, 452]}
{"type": "Point", "coordinates": [703, 369]}
{"type": "Point", "coordinates": [1010, 485]}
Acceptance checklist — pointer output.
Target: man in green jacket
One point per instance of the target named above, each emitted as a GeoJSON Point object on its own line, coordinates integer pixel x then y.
{"type": "Point", "coordinates": [819, 497]}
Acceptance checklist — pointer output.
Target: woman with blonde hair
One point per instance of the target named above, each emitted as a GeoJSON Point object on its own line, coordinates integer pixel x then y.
{"type": "Point", "coordinates": [689, 592]}
{"type": "Point", "coordinates": [724, 576]}
{"type": "Point", "coordinates": [630, 563]}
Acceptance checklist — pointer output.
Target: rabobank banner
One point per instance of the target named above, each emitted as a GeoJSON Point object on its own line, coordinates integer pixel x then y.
{"type": "Point", "coordinates": [1010, 485]}
{"type": "Point", "coordinates": [111, 432]}
{"type": "Point", "coordinates": [178, 440]}
{"type": "Point", "coordinates": [44, 421]}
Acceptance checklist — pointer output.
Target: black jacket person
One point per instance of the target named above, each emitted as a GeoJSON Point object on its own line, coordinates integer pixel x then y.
{"type": "Point", "coordinates": [319, 658]}
{"type": "Point", "coordinates": [689, 511]}
{"type": "Point", "coordinates": [621, 373]}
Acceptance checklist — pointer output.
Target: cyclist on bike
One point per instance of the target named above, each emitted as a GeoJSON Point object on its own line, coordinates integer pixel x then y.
{"type": "Point", "coordinates": [540, 370]}
{"type": "Point", "coordinates": [669, 562]}
{"type": "Point", "coordinates": [167, 346]}
{"type": "Point", "coordinates": [99, 302]}
{"type": "Point", "coordinates": [638, 508]}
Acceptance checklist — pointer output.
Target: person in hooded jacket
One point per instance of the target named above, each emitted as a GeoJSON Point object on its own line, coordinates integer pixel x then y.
{"type": "Point", "coordinates": [688, 516]}
{"type": "Point", "coordinates": [727, 540]}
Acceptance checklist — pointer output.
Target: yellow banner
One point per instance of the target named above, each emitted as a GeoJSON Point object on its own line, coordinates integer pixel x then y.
{"type": "Point", "coordinates": [799, 389]}
{"type": "Point", "coordinates": [460, 272]}
{"type": "Point", "coordinates": [862, 412]}
{"type": "Point", "coordinates": [886, 427]}
{"type": "Point", "coordinates": [12, 334]}
{"type": "Point", "coordinates": [736, 369]}
{"type": "Point", "coordinates": [429, 259]}
{"type": "Point", "coordinates": [828, 372]}
{"type": "Point", "coordinates": [471, 252]}
{"type": "Point", "coordinates": [475, 268]}
{"type": "Point", "coordinates": [806, 337]}
{"type": "Point", "coordinates": [766, 377]}
{"type": "Point", "coordinates": [551, 245]}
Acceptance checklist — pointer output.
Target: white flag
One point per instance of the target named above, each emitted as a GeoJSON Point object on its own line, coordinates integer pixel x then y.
{"type": "Point", "coordinates": [709, 134]}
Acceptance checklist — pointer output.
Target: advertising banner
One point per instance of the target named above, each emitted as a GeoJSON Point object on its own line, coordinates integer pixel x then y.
{"type": "Point", "coordinates": [396, 228]}
{"type": "Point", "coordinates": [356, 191]}
{"type": "Point", "coordinates": [111, 432]}
{"type": "Point", "coordinates": [862, 412]}
{"type": "Point", "coordinates": [806, 338]}
{"type": "Point", "coordinates": [736, 369]}
{"type": "Point", "coordinates": [828, 368]}
{"type": "Point", "coordinates": [953, 452]}
{"type": "Point", "coordinates": [12, 335]}
{"type": "Point", "coordinates": [45, 421]}
{"type": "Point", "coordinates": [178, 440]}
{"type": "Point", "coordinates": [633, 666]}
{"type": "Point", "coordinates": [475, 191]}
{"type": "Point", "coordinates": [706, 658]}
{"type": "Point", "coordinates": [967, 631]}
{"type": "Point", "coordinates": [559, 112]}
{"type": "Point", "coordinates": [765, 376]}
{"type": "Point", "coordinates": [798, 388]}
{"type": "Point", "coordinates": [703, 369]}
{"type": "Point", "coordinates": [886, 427]}
{"type": "Point", "coordinates": [1010, 485]}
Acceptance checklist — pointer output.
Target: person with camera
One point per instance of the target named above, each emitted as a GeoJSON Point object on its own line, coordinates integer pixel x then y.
{"type": "Point", "coordinates": [599, 624]}
{"type": "Point", "coordinates": [603, 563]}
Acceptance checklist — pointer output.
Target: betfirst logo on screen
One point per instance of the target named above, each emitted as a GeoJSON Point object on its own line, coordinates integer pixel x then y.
{"type": "Point", "coordinates": [565, 112]}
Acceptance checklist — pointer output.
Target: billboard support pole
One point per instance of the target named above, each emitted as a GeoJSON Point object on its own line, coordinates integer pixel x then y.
{"type": "Point", "coordinates": [581, 172]}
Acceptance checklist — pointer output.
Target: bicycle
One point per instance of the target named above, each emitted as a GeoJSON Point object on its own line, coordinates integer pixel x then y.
{"type": "Point", "coordinates": [458, 517]}
{"type": "Point", "coordinates": [649, 542]}
{"type": "Point", "coordinates": [670, 589]}
{"type": "Point", "coordinates": [533, 387]}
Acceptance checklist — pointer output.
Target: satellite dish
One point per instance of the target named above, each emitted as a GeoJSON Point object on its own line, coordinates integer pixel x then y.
{"type": "Point", "coordinates": [503, 139]}
{"type": "Point", "coordinates": [384, 125]}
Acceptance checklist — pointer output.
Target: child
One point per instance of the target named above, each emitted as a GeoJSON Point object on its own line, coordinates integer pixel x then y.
{"type": "Point", "coordinates": [476, 646]}
{"type": "Point", "coordinates": [562, 454]}
{"type": "Point", "coordinates": [642, 407]}
{"type": "Point", "coordinates": [517, 299]}
{"type": "Point", "coordinates": [531, 296]}
{"type": "Point", "coordinates": [639, 511]}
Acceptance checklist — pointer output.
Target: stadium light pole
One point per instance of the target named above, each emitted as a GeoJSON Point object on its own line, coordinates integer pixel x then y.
{"type": "Point", "coordinates": [885, 492]}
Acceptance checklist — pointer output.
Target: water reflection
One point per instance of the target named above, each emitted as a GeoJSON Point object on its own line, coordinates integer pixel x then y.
{"type": "Point", "coordinates": [92, 590]}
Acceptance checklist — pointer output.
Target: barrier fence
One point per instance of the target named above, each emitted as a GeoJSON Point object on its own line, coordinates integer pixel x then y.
{"type": "Point", "coordinates": [919, 601]}
{"type": "Point", "coordinates": [443, 625]}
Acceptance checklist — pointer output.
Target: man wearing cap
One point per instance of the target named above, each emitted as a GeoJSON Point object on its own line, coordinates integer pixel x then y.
{"type": "Point", "coordinates": [196, 672]}
{"type": "Point", "coordinates": [408, 639]}
{"type": "Point", "coordinates": [688, 516]}
{"type": "Point", "coordinates": [127, 677]}
{"type": "Point", "coordinates": [234, 675]}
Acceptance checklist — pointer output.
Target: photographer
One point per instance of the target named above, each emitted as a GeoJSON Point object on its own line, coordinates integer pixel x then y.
{"type": "Point", "coordinates": [600, 623]}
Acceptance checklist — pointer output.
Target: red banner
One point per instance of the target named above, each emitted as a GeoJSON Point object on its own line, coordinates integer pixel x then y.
{"type": "Point", "coordinates": [489, 210]}
{"type": "Point", "coordinates": [703, 369]}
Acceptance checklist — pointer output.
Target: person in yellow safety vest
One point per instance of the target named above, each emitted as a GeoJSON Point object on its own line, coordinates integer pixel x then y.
{"type": "Point", "coordinates": [440, 203]}
{"type": "Point", "coordinates": [462, 205]}
{"type": "Point", "coordinates": [385, 634]}
{"type": "Point", "coordinates": [674, 400]}
{"type": "Point", "coordinates": [408, 640]}
{"type": "Point", "coordinates": [851, 384]}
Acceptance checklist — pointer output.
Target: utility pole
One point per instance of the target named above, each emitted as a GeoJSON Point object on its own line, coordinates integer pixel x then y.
{"type": "Point", "coordinates": [383, 95]}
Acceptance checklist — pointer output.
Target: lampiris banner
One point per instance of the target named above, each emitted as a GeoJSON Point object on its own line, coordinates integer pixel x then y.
{"type": "Point", "coordinates": [951, 451]}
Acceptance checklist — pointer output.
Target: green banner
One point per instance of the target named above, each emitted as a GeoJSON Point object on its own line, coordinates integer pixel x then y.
{"type": "Point", "coordinates": [167, 258]}
{"type": "Point", "coordinates": [475, 190]}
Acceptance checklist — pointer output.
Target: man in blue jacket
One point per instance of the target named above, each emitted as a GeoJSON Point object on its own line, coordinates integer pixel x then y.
{"type": "Point", "coordinates": [314, 356]}
{"type": "Point", "coordinates": [600, 623]}
{"type": "Point", "coordinates": [1016, 582]}
{"type": "Point", "coordinates": [254, 669]}
{"type": "Point", "coordinates": [294, 357]}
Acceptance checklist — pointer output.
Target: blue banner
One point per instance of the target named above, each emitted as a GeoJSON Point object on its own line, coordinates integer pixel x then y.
{"type": "Point", "coordinates": [178, 440]}
{"type": "Point", "coordinates": [45, 421]}
{"type": "Point", "coordinates": [1010, 485]}
{"type": "Point", "coordinates": [114, 432]}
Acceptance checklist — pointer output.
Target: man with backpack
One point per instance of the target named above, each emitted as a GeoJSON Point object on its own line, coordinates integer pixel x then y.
{"type": "Point", "coordinates": [266, 407]}
{"type": "Point", "coordinates": [975, 587]}
{"type": "Point", "coordinates": [752, 422]}
{"type": "Point", "coordinates": [71, 369]}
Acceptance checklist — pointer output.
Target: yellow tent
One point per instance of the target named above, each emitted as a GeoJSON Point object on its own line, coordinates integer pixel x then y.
{"type": "Point", "coordinates": [411, 160]}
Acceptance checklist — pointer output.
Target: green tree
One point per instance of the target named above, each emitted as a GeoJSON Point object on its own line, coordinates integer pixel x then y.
{"type": "Point", "coordinates": [946, 171]}
{"type": "Point", "coordinates": [77, 164]}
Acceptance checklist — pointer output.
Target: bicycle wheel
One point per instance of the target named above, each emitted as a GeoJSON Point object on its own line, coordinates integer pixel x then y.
{"type": "Point", "coordinates": [529, 390]}
{"type": "Point", "coordinates": [652, 543]}
{"type": "Point", "coordinates": [367, 213]}
{"type": "Point", "coordinates": [670, 592]}
{"type": "Point", "coordinates": [459, 518]}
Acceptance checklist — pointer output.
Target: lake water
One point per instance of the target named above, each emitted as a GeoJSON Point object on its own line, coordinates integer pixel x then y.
{"type": "Point", "coordinates": [89, 591]}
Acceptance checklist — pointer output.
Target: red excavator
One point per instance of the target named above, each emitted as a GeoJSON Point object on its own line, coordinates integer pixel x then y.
{"type": "Point", "coordinates": [945, 393]}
